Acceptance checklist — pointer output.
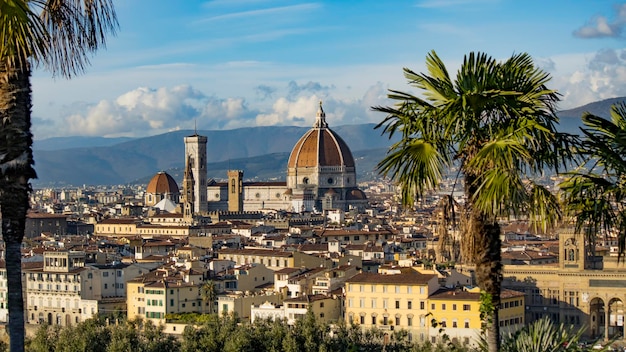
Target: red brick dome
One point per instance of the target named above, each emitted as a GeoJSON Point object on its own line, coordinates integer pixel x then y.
{"type": "Point", "coordinates": [320, 146]}
{"type": "Point", "coordinates": [162, 183]}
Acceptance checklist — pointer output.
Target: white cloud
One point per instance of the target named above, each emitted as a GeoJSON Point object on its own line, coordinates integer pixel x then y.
{"type": "Point", "coordinates": [599, 76]}
{"type": "Point", "coordinates": [601, 26]}
{"type": "Point", "coordinates": [146, 111]}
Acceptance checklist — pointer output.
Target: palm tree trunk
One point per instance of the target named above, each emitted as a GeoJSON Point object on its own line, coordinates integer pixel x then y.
{"type": "Point", "coordinates": [488, 261]}
{"type": "Point", "coordinates": [485, 252]}
{"type": "Point", "coordinates": [16, 169]}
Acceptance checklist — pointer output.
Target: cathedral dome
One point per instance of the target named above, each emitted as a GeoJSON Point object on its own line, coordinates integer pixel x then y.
{"type": "Point", "coordinates": [162, 183]}
{"type": "Point", "coordinates": [320, 146]}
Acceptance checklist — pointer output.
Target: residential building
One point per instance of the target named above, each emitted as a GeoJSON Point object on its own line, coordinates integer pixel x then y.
{"type": "Point", "coordinates": [394, 300]}
{"type": "Point", "coordinates": [457, 312]}
{"type": "Point", "coordinates": [169, 289]}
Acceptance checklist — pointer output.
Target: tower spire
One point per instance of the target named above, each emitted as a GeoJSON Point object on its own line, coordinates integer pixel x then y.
{"type": "Point", "coordinates": [320, 119]}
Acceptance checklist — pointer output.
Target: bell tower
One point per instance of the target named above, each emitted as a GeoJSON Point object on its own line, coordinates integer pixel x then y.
{"type": "Point", "coordinates": [195, 155]}
{"type": "Point", "coordinates": [235, 190]}
{"type": "Point", "coordinates": [572, 253]}
{"type": "Point", "coordinates": [188, 192]}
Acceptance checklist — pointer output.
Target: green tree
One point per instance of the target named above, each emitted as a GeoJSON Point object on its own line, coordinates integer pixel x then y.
{"type": "Point", "coordinates": [44, 339]}
{"type": "Point", "coordinates": [153, 339]}
{"type": "Point", "coordinates": [495, 121]}
{"type": "Point", "coordinates": [596, 191]}
{"type": "Point", "coordinates": [91, 335]}
{"type": "Point", "coordinates": [124, 337]}
{"type": "Point", "coordinates": [60, 35]}
{"type": "Point", "coordinates": [208, 292]}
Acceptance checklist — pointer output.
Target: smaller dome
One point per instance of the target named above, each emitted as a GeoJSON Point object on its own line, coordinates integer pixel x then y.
{"type": "Point", "coordinates": [356, 194]}
{"type": "Point", "coordinates": [162, 183]}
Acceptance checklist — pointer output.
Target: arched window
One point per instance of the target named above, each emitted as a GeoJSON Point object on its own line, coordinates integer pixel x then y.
{"type": "Point", "coordinates": [570, 255]}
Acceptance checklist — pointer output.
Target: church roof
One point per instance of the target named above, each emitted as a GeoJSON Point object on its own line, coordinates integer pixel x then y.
{"type": "Point", "coordinates": [320, 146]}
{"type": "Point", "coordinates": [162, 183]}
{"type": "Point", "coordinates": [166, 205]}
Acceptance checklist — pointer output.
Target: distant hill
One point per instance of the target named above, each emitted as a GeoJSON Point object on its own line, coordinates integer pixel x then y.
{"type": "Point", "coordinates": [571, 119]}
{"type": "Point", "coordinates": [59, 143]}
{"type": "Point", "coordinates": [261, 152]}
{"type": "Point", "coordinates": [135, 159]}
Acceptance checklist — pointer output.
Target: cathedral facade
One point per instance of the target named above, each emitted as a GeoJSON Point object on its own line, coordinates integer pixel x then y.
{"type": "Point", "coordinates": [321, 175]}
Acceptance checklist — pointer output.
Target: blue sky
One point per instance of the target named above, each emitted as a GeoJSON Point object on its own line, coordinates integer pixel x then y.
{"type": "Point", "coordinates": [227, 64]}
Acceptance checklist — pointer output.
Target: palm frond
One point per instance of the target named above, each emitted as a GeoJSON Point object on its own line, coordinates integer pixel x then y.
{"type": "Point", "coordinates": [417, 166]}
{"type": "Point", "coordinates": [22, 34]}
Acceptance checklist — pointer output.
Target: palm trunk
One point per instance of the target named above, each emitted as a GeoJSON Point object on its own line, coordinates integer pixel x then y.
{"type": "Point", "coordinates": [488, 262]}
{"type": "Point", "coordinates": [485, 252]}
{"type": "Point", "coordinates": [16, 169]}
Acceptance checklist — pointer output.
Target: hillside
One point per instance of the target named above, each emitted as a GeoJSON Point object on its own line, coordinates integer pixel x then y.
{"type": "Point", "coordinates": [263, 156]}
{"type": "Point", "coordinates": [135, 159]}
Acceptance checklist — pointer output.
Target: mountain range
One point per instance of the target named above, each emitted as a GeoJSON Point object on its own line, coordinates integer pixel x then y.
{"type": "Point", "coordinates": [67, 161]}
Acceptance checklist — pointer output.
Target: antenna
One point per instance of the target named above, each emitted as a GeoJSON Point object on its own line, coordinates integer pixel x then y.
{"type": "Point", "coordinates": [195, 126]}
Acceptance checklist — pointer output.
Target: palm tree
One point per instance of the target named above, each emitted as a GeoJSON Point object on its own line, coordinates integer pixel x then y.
{"type": "Point", "coordinates": [208, 291]}
{"type": "Point", "coordinates": [544, 335]}
{"type": "Point", "coordinates": [495, 122]}
{"type": "Point", "coordinates": [59, 35]}
{"type": "Point", "coordinates": [595, 193]}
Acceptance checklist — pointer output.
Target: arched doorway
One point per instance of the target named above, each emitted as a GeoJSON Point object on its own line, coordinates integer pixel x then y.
{"type": "Point", "coordinates": [50, 321]}
{"type": "Point", "coordinates": [596, 317]}
{"type": "Point", "coordinates": [616, 318]}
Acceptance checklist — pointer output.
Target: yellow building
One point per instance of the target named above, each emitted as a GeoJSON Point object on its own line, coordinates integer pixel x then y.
{"type": "Point", "coordinates": [167, 290]}
{"type": "Point", "coordinates": [395, 300]}
{"type": "Point", "coordinates": [581, 290]}
{"type": "Point", "coordinates": [457, 311]}
{"type": "Point", "coordinates": [274, 259]}
{"type": "Point", "coordinates": [117, 227]}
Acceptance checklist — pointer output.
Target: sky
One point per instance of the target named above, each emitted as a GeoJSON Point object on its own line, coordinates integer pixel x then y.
{"type": "Point", "coordinates": [225, 64]}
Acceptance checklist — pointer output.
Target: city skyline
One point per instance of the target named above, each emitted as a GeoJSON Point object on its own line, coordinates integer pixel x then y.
{"type": "Point", "coordinates": [229, 64]}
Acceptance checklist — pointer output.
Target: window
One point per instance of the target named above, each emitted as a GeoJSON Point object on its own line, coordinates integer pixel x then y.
{"type": "Point", "coordinates": [466, 307]}
{"type": "Point", "coordinates": [432, 306]}
{"type": "Point", "coordinates": [409, 304]}
{"type": "Point", "coordinates": [385, 303]}
{"type": "Point", "coordinates": [409, 321]}
{"type": "Point", "coordinates": [443, 323]}
{"type": "Point", "coordinates": [373, 320]}
{"type": "Point", "coordinates": [397, 304]}
{"type": "Point", "coordinates": [105, 274]}
{"type": "Point", "coordinates": [454, 307]}
{"type": "Point", "coordinates": [362, 320]}
{"type": "Point", "coordinates": [374, 303]}
{"type": "Point", "coordinates": [422, 305]}
{"type": "Point", "coordinates": [443, 306]}
{"type": "Point", "coordinates": [454, 324]}
{"type": "Point", "coordinates": [397, 289]}
{"type": "Point", "coordinates": [409, 289]}
{"type": "Point", "coordinates": [397, 321]}
{"type": "Point", "coordinates": [466, 325]}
